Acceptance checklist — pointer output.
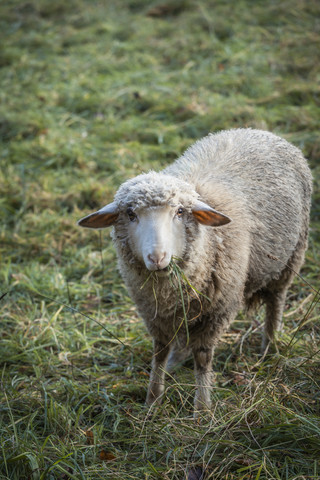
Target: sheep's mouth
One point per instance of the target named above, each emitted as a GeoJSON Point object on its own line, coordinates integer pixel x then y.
{"type": "Point", "coordinates": [163, 272]}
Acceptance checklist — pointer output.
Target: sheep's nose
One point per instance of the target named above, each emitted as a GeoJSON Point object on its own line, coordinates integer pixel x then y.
{"type": "Point", "coordinates": [157, 259]}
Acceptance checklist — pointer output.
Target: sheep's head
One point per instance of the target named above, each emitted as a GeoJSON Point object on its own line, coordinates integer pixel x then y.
{"type": "Point", "coordinates": [154, 212]}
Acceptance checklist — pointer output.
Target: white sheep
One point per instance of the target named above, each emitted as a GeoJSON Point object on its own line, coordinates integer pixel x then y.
{"type": "Point", "coordinates": [233, 212]}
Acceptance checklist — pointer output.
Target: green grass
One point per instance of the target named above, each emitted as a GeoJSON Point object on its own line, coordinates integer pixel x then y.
{"type": "Point", "coordinates": [93, 93]}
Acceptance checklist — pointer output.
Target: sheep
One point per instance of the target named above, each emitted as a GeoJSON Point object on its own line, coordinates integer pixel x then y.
{"type": "Point", "coordinates": [233, 213]}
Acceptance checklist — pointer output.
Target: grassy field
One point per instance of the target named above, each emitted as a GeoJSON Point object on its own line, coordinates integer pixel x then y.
{"type": "Point", "coordinates": [93, 93]}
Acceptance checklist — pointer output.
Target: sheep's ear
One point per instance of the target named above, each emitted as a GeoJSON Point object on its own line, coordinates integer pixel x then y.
{"type": "Point", "coordinates": [208, 216]}
{"type": "Point", "coordinates": [105, 217]}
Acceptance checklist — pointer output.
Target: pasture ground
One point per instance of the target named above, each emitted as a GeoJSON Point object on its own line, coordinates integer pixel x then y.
{"type": "Point", "coordinates": [91, 94]}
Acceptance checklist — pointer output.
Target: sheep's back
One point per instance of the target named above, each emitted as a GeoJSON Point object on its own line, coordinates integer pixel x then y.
{"type": "Point", "coordinates": [267, 175]}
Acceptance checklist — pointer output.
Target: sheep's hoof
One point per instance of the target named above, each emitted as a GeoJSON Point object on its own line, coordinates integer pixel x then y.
{"type": "Point", "coordinates": [202, 411]}
{"type": "Point", "coordinates": [202, 416]}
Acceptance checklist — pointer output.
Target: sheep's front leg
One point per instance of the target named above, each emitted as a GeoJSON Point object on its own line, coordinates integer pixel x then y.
{"type": "Point", "coordinates": [159, 363]}
{"type": "Point", "coordinates": [204, 377]}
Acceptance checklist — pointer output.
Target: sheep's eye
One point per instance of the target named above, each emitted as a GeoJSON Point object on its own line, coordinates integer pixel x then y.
{"type": "Point", "coordinates": [179, 212]}
{"type": "Point", "coordinates": [132, 216]}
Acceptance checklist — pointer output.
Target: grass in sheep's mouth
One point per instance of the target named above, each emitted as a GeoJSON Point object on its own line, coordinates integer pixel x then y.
{"type": "Point", "coordinates": [184, 289]}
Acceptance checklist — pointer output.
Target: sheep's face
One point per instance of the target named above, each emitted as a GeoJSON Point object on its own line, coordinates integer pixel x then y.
{"type": "Point", "coordinates": [152, 214]}
{"type": "Point", "coordinates": [156, 234]}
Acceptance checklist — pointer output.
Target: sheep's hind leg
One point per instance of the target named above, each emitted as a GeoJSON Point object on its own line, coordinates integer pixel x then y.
{"type": "Point", "coordinates": [159, 362]}
{"type": "Point", "coordinates": [204, 377]}
{"type": "Point", "coordinates": [274, 310]}
{"type": "Point", "coordinates": [276, 292]}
